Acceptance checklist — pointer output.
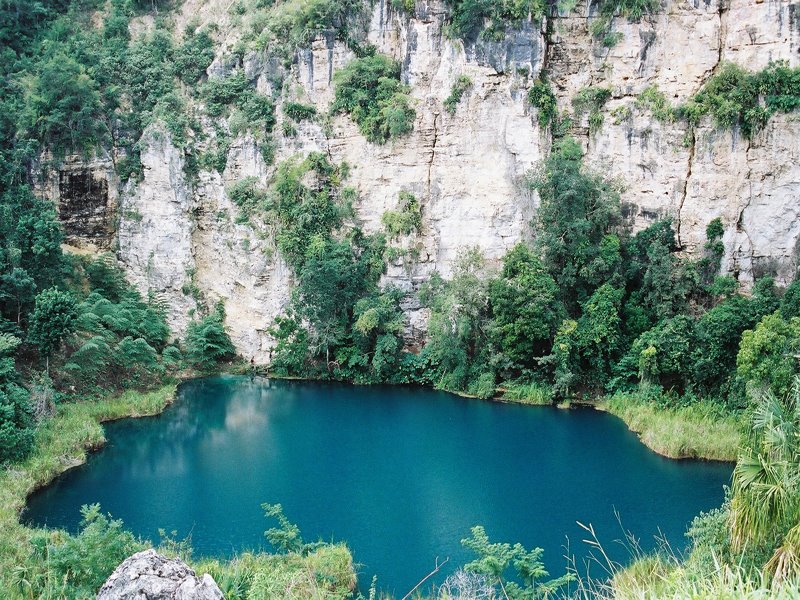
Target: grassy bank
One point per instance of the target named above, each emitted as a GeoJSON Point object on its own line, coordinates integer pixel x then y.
{"type": "Point", "coordinates": [61, 443]}
{"type": "Point", "coordinates": [700, 430]}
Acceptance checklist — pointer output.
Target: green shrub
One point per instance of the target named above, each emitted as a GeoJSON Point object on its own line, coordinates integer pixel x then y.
{"type": "Point", "coordinates": [654, 99]}
{"type": "Point", "coordinates": [542, 98]}
{"type": "Point", "coordinates": [247, 196]}
{"type": "Point", "coordinates": [470, 17]}
{"type": "Point", "coordinates": [591, 100]}
{"type": "Point", "coordinates": [406, 220]}
{"type": "Point", "coordinates": [76, 566]}
{"type": "Point", "coordinates": [207, 342]}
{"type": "Point", "coordinates": [369, 90]}
{"type": "Point", "coordinates": [286, 26]}
{"type": "Point", "coordinates": [735, 97]}
{"type": "Point", "coordinates": [299, 112]}
{"type": "Point", "coordinates": [406, 6]}
{"type": "Point", "coordinates": [633, 10]}
{"type": "Point", "coordinates": [193, 56]}
{"type": "Point", "coordinates": [460, 87]}
{"type": "Point", "coordinates": [16, 413]}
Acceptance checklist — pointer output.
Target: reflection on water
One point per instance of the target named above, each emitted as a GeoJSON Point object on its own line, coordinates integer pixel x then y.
{"type": "Point", "coordinates": [400, 473]}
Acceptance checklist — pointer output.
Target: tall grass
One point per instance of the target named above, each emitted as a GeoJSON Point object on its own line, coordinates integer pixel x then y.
{"type": "Point", "coordinates": [528, 393]}
{"type": "Point", "coordinates": [61, 442]}
{"type": "Point", "coordinates": [700, 430]}
{"type": "Point", "coordinates": [665, 575]}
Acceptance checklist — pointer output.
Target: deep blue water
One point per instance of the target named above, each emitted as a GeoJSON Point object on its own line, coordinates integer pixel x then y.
{"type": "Point", "coordinates": [400, 473]}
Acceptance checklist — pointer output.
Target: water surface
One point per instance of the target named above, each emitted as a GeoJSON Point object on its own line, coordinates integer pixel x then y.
{"type": "Point", "coordinates": [400, 473]}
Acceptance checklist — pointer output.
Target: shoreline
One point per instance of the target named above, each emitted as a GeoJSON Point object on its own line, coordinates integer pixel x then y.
{"type": "Point", "coordinates": [677, 433]}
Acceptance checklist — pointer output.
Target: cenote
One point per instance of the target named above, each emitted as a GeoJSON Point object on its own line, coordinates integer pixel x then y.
{"type": "Point", "coordinates": [400, 473]}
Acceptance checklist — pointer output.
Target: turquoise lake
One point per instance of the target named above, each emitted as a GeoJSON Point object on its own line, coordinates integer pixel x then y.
{"type": "Point", "coordinates": [399, 473]}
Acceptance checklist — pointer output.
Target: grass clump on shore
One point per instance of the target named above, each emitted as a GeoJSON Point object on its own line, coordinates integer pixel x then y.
{"type": "Point", "coordinates": [699, 430]}
{"type": "Point", "coordinates": [528, 393]}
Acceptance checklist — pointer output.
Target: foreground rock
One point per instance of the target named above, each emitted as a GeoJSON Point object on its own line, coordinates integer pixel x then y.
{"type": "Point", "coordinates": [149, 576]}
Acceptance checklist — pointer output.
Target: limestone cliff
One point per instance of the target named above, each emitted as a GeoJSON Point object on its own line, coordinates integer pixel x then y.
{"type": "Point", "coordinates": [181, 238]}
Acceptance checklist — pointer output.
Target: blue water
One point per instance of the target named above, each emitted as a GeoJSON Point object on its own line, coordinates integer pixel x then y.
{"type": "Point", "coordinates": [400, 473]}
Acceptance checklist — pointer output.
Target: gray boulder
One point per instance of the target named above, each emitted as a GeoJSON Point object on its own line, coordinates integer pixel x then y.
{"type": "Point", "coordinates": [149, 576]}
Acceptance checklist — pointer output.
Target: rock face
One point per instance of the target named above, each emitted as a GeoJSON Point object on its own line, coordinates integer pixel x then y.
{"type": "Point", "coordinates": [182, 238]}
{"type": "Point", "coordinates": [149, 576]}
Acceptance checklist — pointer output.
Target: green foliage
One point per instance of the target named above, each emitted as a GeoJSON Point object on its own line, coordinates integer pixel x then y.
{"type": "Point", "coordinates": [767, 354]}
{"type": "Point", "coordinates": [30, 248]}
{"type": "Point", "coordinates": [790, 303]}
{"type": "Point", "coordinates": [255, 112]}
{"type": "Point", "coordinates": [591, 100]}
{"type": "Point", "coordinates": [285, 538]}
{"type": "Point", "coordinates": [765, 498]}
{"type": "Point", "coordinates": [306, 215]}
{"type": "Point", "coordinates": [285, 26]}
{"type": "Point", "coordinates": [469, 17]}
{"type": "Point", "coordinates": [576, 218]}
{"type": "Point", "coordinates": [653, 99]}
{"type": "Point", "coordinates": [53, 318]}
{"type": "Point", "coordinates": [64, 107]}
{"type": "Point", "coordinates": [404, 5]}
{"type": "Point", "coordinates": [106, 278]}
{"type": "Point", "coordinates": [247, 196]}
{"type": "Point", "coordinates": [657, 281]}
{"type": "Point", "coordinates": [207, 342]}
{"type": "Point", "coordinates": [369, 90]}
{"type": "Point", "coordinates": [16, 414]}
{"type": "Point", "coordinates": [75, 567]}
{"type": "Point", "coordinates": [495, 559]}
{"type": "Point", "coordinates": [118, 336]}
{"type": "Point", "coordinates": [662, 355]}
{"type": "Point", "coordinates": [542, 98]}
{"type": "Point", "coordinates": [736, 98]}
{"type": "Point", "coordinates": [457, 349]}
{"type": "Point", "coordinates": [406, 220]}
{"type": "Point", "coordinates": [460, 87]}
{"type": "Point", "coordinates": [339, 324]}
{"type": "Point", "coordinates": [193, 56]}
{"type": "Point", "coordinates": [299, 112]}
{"type": "Point", "coordinates": [632, 10]}
{"type": "Point", "coordinates": [525, 309]}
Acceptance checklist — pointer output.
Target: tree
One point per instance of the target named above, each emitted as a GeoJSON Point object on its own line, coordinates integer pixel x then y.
{"type": "Point", "coordinates": [576, 218]}
{"type": "Point", "coordinates": [457, 346]}
{"type": "Point", "coordinates": [657, 281]}
{"type": "Point", "coordinates": [599, 333]}
{"type": "Point", "coordinates": [662, 355]}
{"type": "Point", "coordinates": [207, 342]}
{"type": "Point", "coordinates": [525, 309]}
{"type": "Point", "coordinates": [65, 109]}
{"type": "Point", "coordinates": [790, 303]}
{"type": "Point", "coordinates": [768, 354]}
{"type": "Point", "coordinates": [17, 291]}
{"type": "Point", "coordinates": [765, 504]}
{"type": "Point", "coordinates": [496, 558]}
{"type": "Point", "coordinates": [369, 89]}
{"type": "Point", "coordinates": [719, 332]}
{"type": "Point", "coordinates": [16, 413]}
{"type": "Point", "coordinates": [53, 319]}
